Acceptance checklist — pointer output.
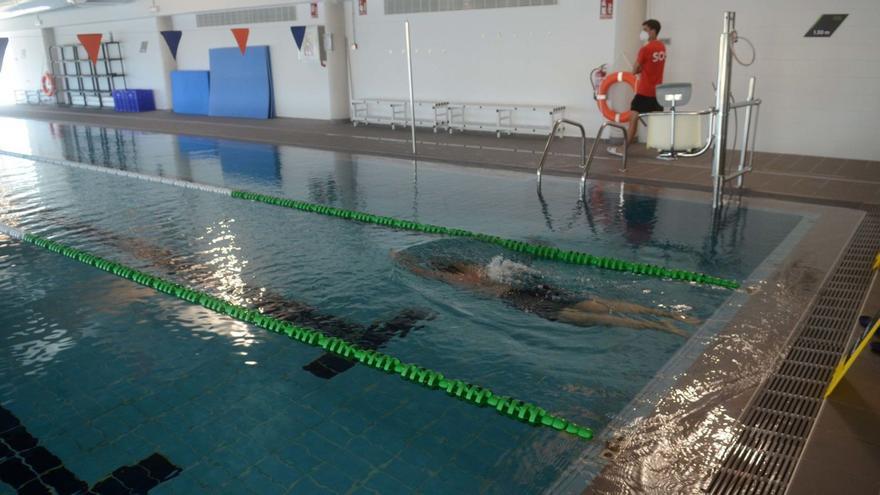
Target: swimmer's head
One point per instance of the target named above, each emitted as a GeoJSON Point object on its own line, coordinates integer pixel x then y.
{"type": "Point", "coordinates": [507, 271]}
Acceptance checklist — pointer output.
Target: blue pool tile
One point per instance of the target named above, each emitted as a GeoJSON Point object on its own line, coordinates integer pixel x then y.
{"type": "Point", "coordinates": [412, 475]}
{"type": "Point", "coordinates": [307, 486]}
{"type": "Point", "coordinates": [280, 472]}
{"type": "Point", "coordinates": [330, 477]}
{"type": "Point", "coordinates": [353, 465]}
{"type": "Point", "coordinates": [319, 446]}
{"type": "Point", "coordinates": [183, 484]}
{"type": "Point", "coordinates": [258, 482]}
{"type": "Point", "coordinates": [333, 432]}
{"type": "Point", "coordinates": [371, 452]}
{"type": "Point", "coordinates": [458, 483]}
{"type": "Point", "coordinates": [250, 451]}
{"type": "Point", "coordinates": [353, 422]}
{"type": "Point", "coordinates": [209, 474]}
{"type": "Point", "coordinates": [88, 438]}
{"type": "Point", "coordinates": [298, 456]}
{"type": "Point", "coordinates": [111, 426]}
{"type": "Point", "coordinates": [383, 483]}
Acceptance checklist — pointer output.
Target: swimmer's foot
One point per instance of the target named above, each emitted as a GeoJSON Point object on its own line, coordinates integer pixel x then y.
{"type": "Point", "coordinates": [690, 320]}
{"type": "Point", "coordinates": [614, 150]}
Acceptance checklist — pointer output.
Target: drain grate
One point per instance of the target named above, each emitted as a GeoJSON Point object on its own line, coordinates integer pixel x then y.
{"type": "Point", "coordinates": [779, 419]}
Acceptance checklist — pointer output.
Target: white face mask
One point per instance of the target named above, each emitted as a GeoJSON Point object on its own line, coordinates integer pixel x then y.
{"type": "Point", "coordinates": [644, 36]}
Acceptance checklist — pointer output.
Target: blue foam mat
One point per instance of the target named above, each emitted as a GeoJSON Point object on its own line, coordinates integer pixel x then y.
{"type": "Point", "coordinates": [190, 91]}
{"type": "Point", "coordinates": [241, 85]}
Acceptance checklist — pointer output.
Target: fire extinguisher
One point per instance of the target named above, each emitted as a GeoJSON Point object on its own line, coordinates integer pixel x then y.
{"type": "Point", "coordinates": [596, 76]}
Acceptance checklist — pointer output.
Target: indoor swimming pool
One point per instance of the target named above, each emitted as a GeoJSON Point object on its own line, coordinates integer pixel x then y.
{"type": "Point", "coordinates": [104, 373]}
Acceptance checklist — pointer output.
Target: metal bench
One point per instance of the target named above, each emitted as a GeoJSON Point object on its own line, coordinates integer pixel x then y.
{"type": "Point", "coordinates": [509, 118]}
{"type": "Point", "coordinates": [395, 112]}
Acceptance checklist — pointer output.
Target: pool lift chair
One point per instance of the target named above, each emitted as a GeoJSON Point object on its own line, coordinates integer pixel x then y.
{"type": "Point", "coordinates": [675, 133]}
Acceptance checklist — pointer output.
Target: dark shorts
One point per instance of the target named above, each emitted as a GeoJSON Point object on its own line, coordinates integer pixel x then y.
{"type": "Point", "coordinates": [645, 104]}
{"type": "Point", "coordinates": [541, 300]}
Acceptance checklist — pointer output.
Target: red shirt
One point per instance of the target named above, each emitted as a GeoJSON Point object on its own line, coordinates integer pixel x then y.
{"type": "Point", "coordinates": [652, 58]}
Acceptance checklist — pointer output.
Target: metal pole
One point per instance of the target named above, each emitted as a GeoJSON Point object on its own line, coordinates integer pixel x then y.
{"type": "Point", "coordinates": [412, 105]}
{"type": "Point", "coordinates": [722, 105]}
{"type": "Point", "coordinates": [747, 127]}
{"type": "Point", "coordinates": [672, 130]}
{"type": "Point", "coordinates": [348, 69]}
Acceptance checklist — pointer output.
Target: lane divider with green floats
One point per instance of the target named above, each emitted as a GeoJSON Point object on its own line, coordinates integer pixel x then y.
{"type": "Point", "coordinates": [536, 250]}
{"type": "Point", "coordinates": [472, 394]}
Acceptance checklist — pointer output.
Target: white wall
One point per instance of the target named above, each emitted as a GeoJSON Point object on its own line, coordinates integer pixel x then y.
{"type": "Point", "coordinates": [23, 64]}
{"type": "Point", "coordinates": [539, 55]}
{"type": "Point", "coordinates": [821, 95]}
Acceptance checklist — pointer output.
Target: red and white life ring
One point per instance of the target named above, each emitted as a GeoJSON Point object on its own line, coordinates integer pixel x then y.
{"type": "Point", "coordinates": [602, 95]}
{"type": "Point", "coordinates": [47, 83]}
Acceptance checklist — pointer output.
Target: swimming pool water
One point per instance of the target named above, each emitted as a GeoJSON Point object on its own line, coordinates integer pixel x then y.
{"type": "Point", "coordinates": [104, 373]}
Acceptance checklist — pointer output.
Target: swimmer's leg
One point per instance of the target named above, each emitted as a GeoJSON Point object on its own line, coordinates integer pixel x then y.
{"type": "Point", "coordinates": [603, 306]}
{"type": "Point", "coordinates": [589, 319]}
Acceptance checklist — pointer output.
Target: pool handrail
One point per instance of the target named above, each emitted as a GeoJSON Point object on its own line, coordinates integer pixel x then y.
{"type": "Point", "coordinates": [553, 132]}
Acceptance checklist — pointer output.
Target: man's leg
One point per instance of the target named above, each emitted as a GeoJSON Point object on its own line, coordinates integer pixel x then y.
{"type": "Point", "coordinates": [633, 127]}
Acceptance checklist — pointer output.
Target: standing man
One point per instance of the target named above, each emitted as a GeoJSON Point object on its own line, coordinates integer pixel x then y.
{"type": "Point", "coordinates": [649, 67]}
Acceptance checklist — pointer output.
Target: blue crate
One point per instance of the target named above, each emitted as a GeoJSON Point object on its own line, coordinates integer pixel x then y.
{"type": "Point", "coordinates": [133, 100]}
{"type": "Point", "coordinates": [118, 100]}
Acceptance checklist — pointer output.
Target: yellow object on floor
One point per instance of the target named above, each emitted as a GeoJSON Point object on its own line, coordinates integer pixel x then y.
{"type": "Point", "coordinates": [847, 360]}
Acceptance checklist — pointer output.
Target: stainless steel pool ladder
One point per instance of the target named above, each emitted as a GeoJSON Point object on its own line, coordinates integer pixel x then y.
{"type": "Point", "coordinates": [586, 162]}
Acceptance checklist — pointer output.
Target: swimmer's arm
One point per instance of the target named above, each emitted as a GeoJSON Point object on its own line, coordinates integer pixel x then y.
{"type": "Point", "coordinates": [408, 262]}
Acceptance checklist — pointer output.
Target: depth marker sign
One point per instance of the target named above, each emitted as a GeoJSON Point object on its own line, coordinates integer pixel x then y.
{"type": "Point", "coordinates": [826, 25]}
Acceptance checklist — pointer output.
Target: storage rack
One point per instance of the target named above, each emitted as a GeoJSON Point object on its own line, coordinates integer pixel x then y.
{"type": "Point", "coordinates": [81, 83]}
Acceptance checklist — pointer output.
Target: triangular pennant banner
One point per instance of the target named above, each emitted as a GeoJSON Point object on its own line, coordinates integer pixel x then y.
{"type": "Point", "coordinates": [92, 44]}
{"type": "Point", "coordinates": [241, 37]}
{"type": "Point", "coordinates": [172, 39]}
{"type": "Point", "coordinates": [3, 43]}
{"type": "Point", "coordinates": [299, 34]}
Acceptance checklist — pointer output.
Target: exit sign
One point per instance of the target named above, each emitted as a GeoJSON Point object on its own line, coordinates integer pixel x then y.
{"type": "Point", "coordinates": [826, 25]}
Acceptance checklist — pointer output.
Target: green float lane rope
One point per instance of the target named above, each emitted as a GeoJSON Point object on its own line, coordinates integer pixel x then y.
{"type": "Point", "coordinates": [473, 394]}
{"type": "Point", "coordinates": [536, 250]}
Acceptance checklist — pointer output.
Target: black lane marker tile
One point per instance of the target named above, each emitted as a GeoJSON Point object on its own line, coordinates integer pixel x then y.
{"type": "Point", "coordinates": [41, 470]}
{"type": "Point", "coordinates": [19, 439]}
{"type": "Point", "coordinates": [110, 486]}
{"type": "Point", "coordinates": [374, 337]}
{"type": "Point", "coordinates": [5, 451]}
{"type": "Point", "coordinates": [16, 473]}
{"type": "Point", "coordinates": [64, 482]}
{"type": "Point", "coordinates": [34, 488]}
{"type": "Point", "coordinates": [8, 420]}
{"type": "Point", "coordinates": [135, 478]}
{"type": "Point", "coordinates": [159, 467]}
{"type": "Point", "coordinates": [40, 459]}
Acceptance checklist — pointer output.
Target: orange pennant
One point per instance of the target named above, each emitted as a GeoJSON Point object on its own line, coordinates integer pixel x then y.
{"type": "Point", "coordinates": [241, 37]}
{"type": "Point", "coordinates": [92, 44]}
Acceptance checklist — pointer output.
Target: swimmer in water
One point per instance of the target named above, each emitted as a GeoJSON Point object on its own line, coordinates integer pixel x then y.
{"type": "Point", "coordinates": [541, 299]}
